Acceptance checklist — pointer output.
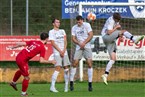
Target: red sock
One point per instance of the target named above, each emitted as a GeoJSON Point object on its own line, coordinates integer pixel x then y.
{"type": "Point", "coordinates": [25, 85]}
{"type": "Point", "coordinates": [17, 76]}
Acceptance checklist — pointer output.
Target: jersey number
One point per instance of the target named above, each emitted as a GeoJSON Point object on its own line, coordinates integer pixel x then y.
{"type": "Point", "coordinates": [30, 48]}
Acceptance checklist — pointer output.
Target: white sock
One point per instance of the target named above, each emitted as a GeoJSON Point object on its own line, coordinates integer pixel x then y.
{"type": "Point", "coordinates": [14, 82]}
{"type": "Point", "coordinates": [129, 35]}
{"type": "Point", "coordinates": [54, 78]}
{"type": "Point", "coordinates": [66, 77]}
{"type": "Point", "coordinates": [72, 73]}
{"type": "Point", "coordinates": [109, 65]}
{"type": "Point", "coordinates": [23, 93]}
{"type": "Point", "coordinates": [106, 75]}
{"type": "Point", "coordinates": [90, 74]}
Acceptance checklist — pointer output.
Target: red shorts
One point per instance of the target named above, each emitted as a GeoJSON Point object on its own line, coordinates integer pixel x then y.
{"type": "Point", "coordinates": [23, 66]}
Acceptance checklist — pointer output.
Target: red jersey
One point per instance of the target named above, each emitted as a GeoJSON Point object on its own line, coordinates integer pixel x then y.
{"type": "Point", "coordinates": [33, 48]}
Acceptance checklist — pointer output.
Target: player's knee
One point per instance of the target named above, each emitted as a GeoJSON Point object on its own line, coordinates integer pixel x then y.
{"type": "Point", "coordinates": [122, 31]}
{"type": "Point", "coordinates": [89, 66]}
{"type": "Point", "coordinates": [120, 34]}
{"type": "Point", "coordinates": [26, 77]}
{"type": "Point", "coordinates": [112, 61]}
{"type": "Point", "coordinates": [74, 66]}
{"type": "Point", "coordinates": [89, 62]}
{"type": "Point", "coordinates": [57, 68]}
{"type": "Point", "coordinates": [75, 63]}
{"type": "Point", "coordinates": [66, 70]}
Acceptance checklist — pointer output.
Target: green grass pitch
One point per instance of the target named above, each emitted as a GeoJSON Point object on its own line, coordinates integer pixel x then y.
{"type": "Point", "coordinates": [124, 89]}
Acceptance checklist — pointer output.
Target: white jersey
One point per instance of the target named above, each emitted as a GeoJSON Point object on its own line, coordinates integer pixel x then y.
{"type": "Point", "coordinates": [81, 33]}
{"type": "Point", "coordinates": [58, 37]}
{"type": "Point", "coordinates": [109, 25]}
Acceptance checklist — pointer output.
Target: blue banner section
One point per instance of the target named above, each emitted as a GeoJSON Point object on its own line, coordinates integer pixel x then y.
{"type": "Point", "coordinates": [70, 9]}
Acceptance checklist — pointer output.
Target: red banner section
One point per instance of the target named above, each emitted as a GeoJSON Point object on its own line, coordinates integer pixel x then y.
{"type": "Point", "coordinates": [7, 54]}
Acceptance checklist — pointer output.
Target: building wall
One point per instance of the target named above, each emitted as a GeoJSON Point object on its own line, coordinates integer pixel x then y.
{"type": "Point", "coordinates": [44, 74]}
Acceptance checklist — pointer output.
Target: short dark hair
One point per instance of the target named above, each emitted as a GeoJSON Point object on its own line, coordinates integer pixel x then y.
{"type": "Point", "coordinates": [53, 20]}
{"type": "Point", "coordinates": [79, 17]}
{"type": "Point", "coordinates": [43, 35]}
{"type": "Point", "coordinates": [117, 16]}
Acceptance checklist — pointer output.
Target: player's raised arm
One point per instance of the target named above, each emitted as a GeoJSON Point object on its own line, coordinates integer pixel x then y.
{"type": "Point", "coordinates": [90, 36]}
{"type": "Point", "coordinates": [18, 44]}
{"type": "Point", "coordinates": [115, 28]}
{"type": "Point", "coordinates": [75, 40]}
{"type": "Point", "coordinates": [55, 46]}
{"type": "Point", "coordinates": [65, 43]}
{"type": "Point", "coordinates": [90, 33]}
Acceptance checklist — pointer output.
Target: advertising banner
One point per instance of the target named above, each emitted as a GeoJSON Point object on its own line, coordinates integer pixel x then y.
{"type": "Point", "coordinates": [69, 9]}
{"type": "Point", "coordinates": [7, 54]}
{"type": "Point", "coordinates": [126, 50]}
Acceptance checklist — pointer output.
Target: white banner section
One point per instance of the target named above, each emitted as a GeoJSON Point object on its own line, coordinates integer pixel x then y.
{"type": "Point", "coordinates": [126, 50]}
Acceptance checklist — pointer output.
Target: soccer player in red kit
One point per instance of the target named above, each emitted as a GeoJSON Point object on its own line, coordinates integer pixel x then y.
{"type": "Point", "coordinates": [33, 48]}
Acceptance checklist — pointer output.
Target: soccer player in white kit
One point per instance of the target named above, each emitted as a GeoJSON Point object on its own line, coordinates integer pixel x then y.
{"type": "Point", "coordinates": [110, 33]}
{"type": "Point", "coordinates": [81, 35]}
{"type": "Point", "coordinates": [59, 42]}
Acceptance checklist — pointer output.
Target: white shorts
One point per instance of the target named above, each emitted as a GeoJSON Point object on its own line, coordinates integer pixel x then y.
{"type": "Point", "coordinates": [110, 41]}
{"type": "Point", "coordinates": [61, 61]}
{"type": "Point", "coordinates": [87, 53]}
